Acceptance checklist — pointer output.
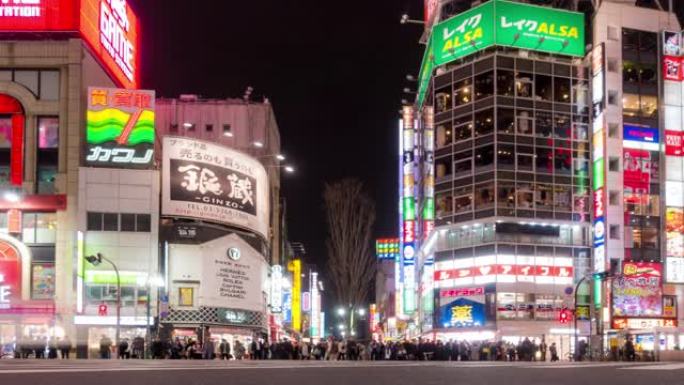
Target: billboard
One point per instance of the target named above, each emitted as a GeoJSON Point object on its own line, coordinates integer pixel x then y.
{"type": "Point", "coordinates": [509, 24]}
{"type": "Point", "coordinates": [233, 274]}
{"type": "Point", "coordinates": [462, 308]}
{"type": "Point", "coordinates": [387, 248]}
{"type": "Point", "coordinates": [39, 15]}
{"type": "Point", "coordinates": [110, 27]}
{"type": "Point", "coordinates": [638, 292]}
{"type": "Point", "coordinates": [464, 34]}
{"type": "Point", "coordinates": [120, 128]}
{"type": "Point", "coordinates": [539, 28]}
{"type": "Point", "coordinates": [206, 181]}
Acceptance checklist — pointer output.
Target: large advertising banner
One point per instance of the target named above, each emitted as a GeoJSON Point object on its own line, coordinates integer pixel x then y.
{"type": "Point", "coordinates": [120, 129]}
{"type": "Point", "coordinates": [638, 292]}
{"type": "Point", "coordinates": [637, 172]}
{"type": "Point", "coordinates": [10, 275]}
{"type": "Point", "coordinates": [462, 308]}
{"type": "Point", "coordinates": [672, 110]}
{"type": "Point", "coordinates": [539, 28]}
{"type": "Point", "coordinates": [233, 275]}
{"type": "Point", "coordinates": [111, 29]}
{"type": "Point", "coordinates": [510, 24]}
{"type": "Point", "coordinates": [206, 181]}
{"type": "Point", "coordinates": [39, 15]}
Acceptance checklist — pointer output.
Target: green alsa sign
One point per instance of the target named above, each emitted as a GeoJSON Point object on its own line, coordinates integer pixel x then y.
{"type": "Point", "coordinates": [539, 28]}
{"type": "Point", "coordinates": [505, 23]}
{"type": "Point", "coordinates": [425, 72]}
{"type": "Point", "coordinates": [464, 34]}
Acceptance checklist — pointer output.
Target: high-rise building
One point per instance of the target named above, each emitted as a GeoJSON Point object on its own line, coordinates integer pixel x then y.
{"type": "Point", "coordinates": [499, 139]}
{"type": "Point", "coordinates": [556, 157]}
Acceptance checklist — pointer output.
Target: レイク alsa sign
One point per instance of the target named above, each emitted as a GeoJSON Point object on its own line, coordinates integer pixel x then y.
{"type": "Point", "coordinates": [511, 24]}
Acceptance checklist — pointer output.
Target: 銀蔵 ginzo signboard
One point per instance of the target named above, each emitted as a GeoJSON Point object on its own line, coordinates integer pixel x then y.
{"type": "Point", "coordinates": [110, 28]}
{"type": "Point", "coordinates": [210, 182]}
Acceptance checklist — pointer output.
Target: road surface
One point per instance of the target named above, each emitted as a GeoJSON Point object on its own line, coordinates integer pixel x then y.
{"type": "Point", "coordinates": [133, 372]}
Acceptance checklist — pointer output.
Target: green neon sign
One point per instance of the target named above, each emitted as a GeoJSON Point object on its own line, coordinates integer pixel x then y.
{"type": "Point", "coordinates": [599, 174]}
{"type": "Point", "coordinates": [464, 34]}
{"type": "Point", "coordinates": [108, 277]}
{"type": "Point", "coordinates": [504, 23]}
{"type": "Point", "coordinates": [409, 209]}
{"type": "Point", "coordinates": [539, 28]}
{"type": "Point", "coordinates": [426, 68]}
{"type": "Point", "coordinates": [429, 209]}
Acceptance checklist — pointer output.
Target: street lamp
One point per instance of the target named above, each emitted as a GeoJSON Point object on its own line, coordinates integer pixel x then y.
{"type": "Point", "coordinates": [150, 282]}
{"type": "Point", "coordinates": [362, 312]}
{"type": "Point", "coordinates": [405, 20]}
{"type": "Point", "coordinates": [340, 312]}
{"type": "Point", "coordinates": [95, 260]}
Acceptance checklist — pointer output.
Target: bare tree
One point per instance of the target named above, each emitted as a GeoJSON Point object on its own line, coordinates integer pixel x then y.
{"type": "Point", "coordinates": [350, 214]}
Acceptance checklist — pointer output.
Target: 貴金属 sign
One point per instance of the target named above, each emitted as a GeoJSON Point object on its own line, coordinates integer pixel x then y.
{"type": "Point", "coordinates": [120, 128]}
{"type": "Point", "coordinates": [207, 181]}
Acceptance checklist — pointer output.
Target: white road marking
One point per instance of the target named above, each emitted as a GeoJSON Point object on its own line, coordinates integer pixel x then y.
{"type": "Point", "coordinates": [658, 367]}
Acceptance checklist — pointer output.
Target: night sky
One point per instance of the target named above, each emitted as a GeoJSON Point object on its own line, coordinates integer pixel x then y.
{"type": "Point", "coordinates": [334, 73]}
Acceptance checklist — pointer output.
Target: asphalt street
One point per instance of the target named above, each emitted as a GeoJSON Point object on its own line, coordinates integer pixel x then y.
{"type": "Point", "coordinates": [334, 373]}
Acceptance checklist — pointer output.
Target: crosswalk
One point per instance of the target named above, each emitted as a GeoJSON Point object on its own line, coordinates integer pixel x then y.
{"type": "Point", "coordinates": [86, 366]}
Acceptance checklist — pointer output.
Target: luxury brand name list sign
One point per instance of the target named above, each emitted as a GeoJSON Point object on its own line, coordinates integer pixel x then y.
{"type": "Point", "coordinates": [233, 278]}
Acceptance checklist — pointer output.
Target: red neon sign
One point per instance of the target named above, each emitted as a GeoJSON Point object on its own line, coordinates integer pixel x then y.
{"type": "Point", "coordinates": [39, 15]}
{"type": "Point", "coordinates": [111, 29]}
{"type": "Point", "coordinates": [10, 275]}
{"type": "Point", "coordinates": [520, 270]}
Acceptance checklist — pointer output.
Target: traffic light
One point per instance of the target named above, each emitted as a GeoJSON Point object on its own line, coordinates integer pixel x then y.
{"type": "Point", "coordinates": [564, 316]}
{"type": "Point", "coordinates": [102, 309]}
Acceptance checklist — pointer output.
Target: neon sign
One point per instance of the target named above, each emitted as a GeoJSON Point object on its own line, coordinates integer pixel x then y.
{"type": "Point", "coordinates": [111, 29]}
{"type": "Point", "coordinates": [120, 128]}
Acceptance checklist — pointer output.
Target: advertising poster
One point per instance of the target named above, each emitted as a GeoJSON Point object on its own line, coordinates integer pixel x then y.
{"type": "Point", "coordinates": [120, 128]}
{"type": "Point", "coordinates": [233, 275]}
{"type": "Point", "coordinates": [462, 308]}
{"type": "Point", "coordinates": [637, 172]}
{"type": "Point", "coordinates": [638, 291]}
{"type": "Point", "coordinates": [463, 313]}
{"type": "Point", "coordinates": [674, 229]}
{"type": "Point", "coordinates": [43, 281]}
{"type": "Point", "coordinates": [202, 180]}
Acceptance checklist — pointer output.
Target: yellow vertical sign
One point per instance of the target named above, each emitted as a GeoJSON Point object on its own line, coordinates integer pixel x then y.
{"type": "Point", "coordinates": [296, 268]}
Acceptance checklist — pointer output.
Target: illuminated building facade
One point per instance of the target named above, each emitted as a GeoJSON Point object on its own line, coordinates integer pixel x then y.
{"type": "Point", "coordinates": [510, 155]}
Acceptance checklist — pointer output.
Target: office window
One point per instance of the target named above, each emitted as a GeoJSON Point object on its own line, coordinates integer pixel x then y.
{"type": "Point", "coordinates": [613, 198]}
{"type": "Point", "coordinates": [48, 154]}
{"type": "Point", "coordinates": [613, 97]}
{"type": "Point", "coordinates": [614, 130]}
{"type": "Point", "coordinates": [28, 79]}
{"type": "Point", "coordinates": [227, 130]}
{"type": "Point", "coordinates": [94, 221]}
{"type": "Point", "coordinates": [614, 232]}
{"type": "Point", "coordinates": [127, 222]}
{"type": "Point", "coordinates": [614, 163]}
{"type": "Point", "coordinates": [209, 127]}
{"type": "Point", "coordinates": [173, 128]}
{"type": "Point", "coordinates": [49, 85]}
{"type": "Point", "coordinates": [110, 222]}
{"type": "Point", "coordinates": [143, 223]}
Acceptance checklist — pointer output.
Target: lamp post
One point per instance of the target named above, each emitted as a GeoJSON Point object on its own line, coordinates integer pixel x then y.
{"type": "Point", "coordinates": [97, 259]}
{"type": "Point", "coordinates": [150, 283]}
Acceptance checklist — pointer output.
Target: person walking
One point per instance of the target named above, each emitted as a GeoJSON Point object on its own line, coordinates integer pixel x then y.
{"type": "Point", "coordinates": [554, 352]}
{"type": "Point", "coordinates": [105, 348]}
{"type": "Point", "coordinates": [123, 352]}
{"type": "Point", "coordinates": [224, 350]}
{"type": "Point", "coordinates": [64, 346]}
